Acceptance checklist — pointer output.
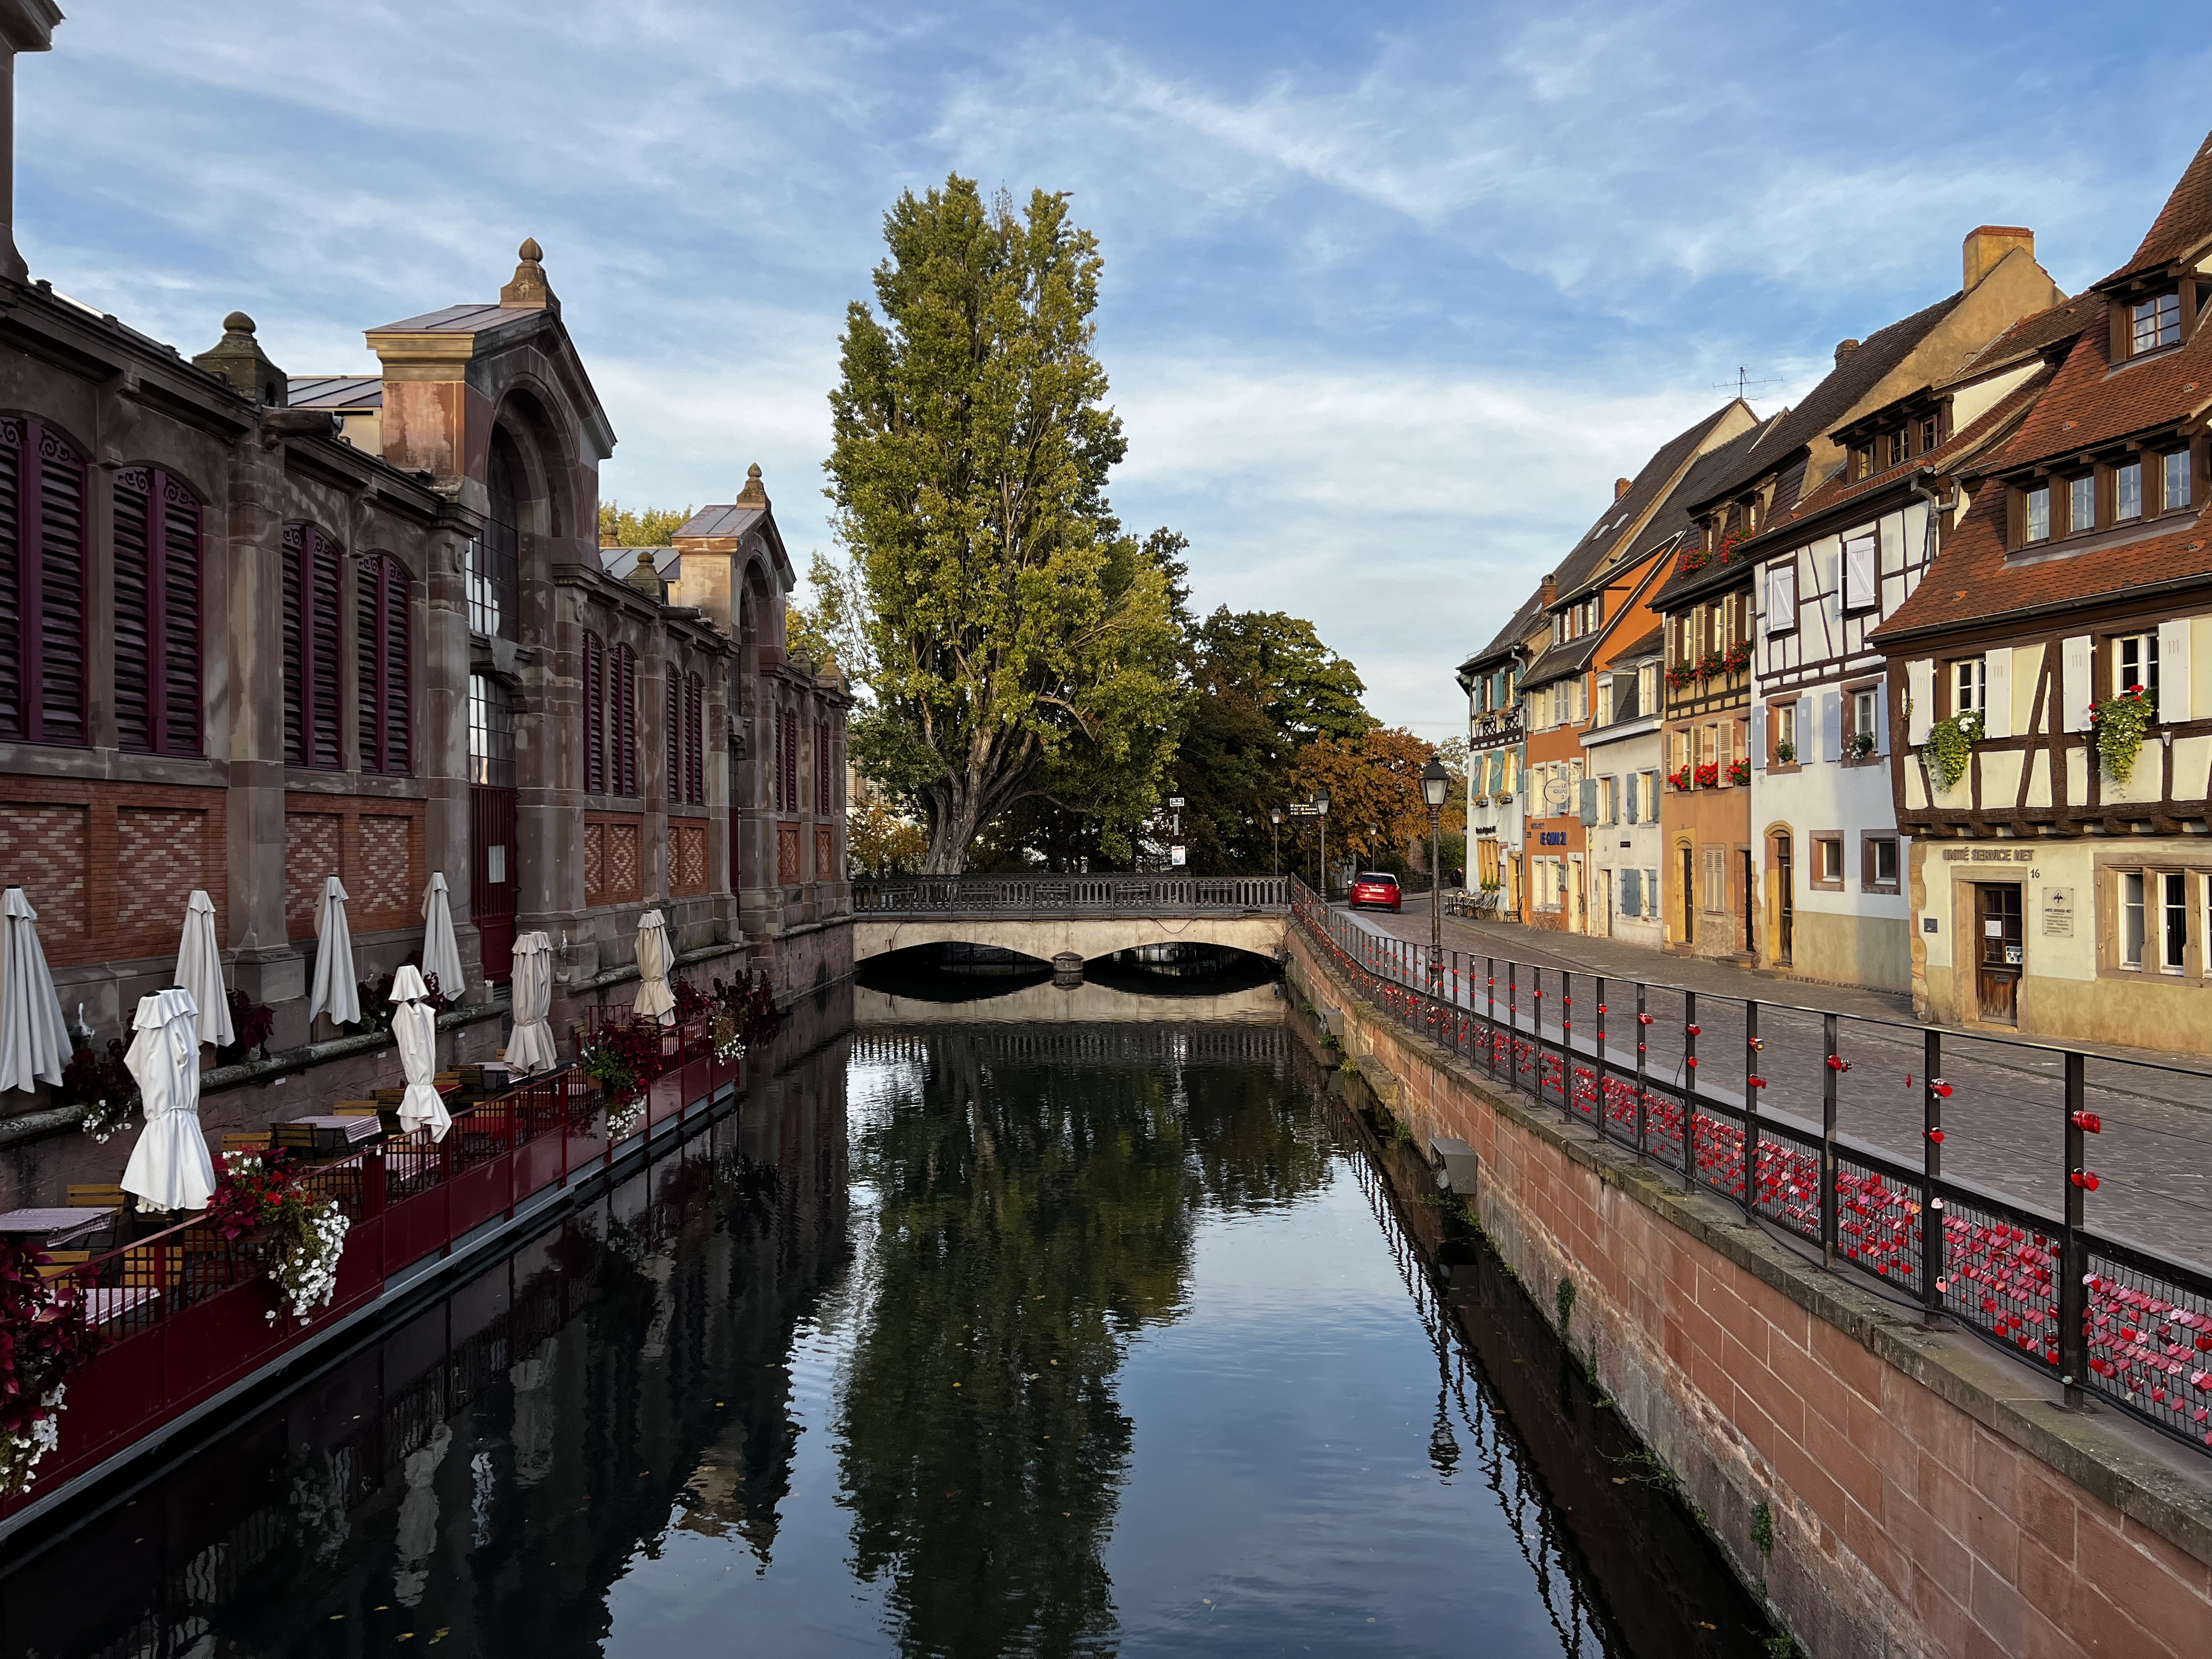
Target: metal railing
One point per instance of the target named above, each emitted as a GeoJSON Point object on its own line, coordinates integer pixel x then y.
{"type": "Point", "coordinates": [2122, 1320]}
{"type": "Point", "coordinates": [1057, 895]}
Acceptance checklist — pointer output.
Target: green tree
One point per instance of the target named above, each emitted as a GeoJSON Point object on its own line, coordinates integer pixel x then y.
{"type": "Point", "coordinates": [1020, 643]}
{"type": "Point", "coordinates": [652, 526]}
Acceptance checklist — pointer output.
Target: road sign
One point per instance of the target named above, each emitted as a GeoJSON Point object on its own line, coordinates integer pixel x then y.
{"type": "Point", "coordinates": [1303, 809]}
{"type": "Point", "coordinates": [1175, 858]}
{"type": "Point", "coordinates": [1174, 800]}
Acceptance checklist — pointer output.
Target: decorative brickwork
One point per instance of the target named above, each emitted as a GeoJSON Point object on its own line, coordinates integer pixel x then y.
{"type": "Point", "coordinates": [44, 850]}
{"type": "Point", "coordinates": [595, 864]}
{"type": "Point", "coordinates": [614, 862]}
{"type": "Point", "coordinates": [687, 858]}
{"type": "Point", "coordinates": [386, 869]}
{"type": "Point", "coordinates": [161, 854]}
{"type": "Point", "coordinates": [825, 850]}
{"type": "Point", "coordinates": [787, 855]}
{"type": "Point", "coordinates": [313, 845]}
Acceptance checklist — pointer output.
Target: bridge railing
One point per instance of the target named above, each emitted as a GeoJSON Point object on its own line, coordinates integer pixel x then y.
{"type": "Point", "coordinates": [1053, 895]}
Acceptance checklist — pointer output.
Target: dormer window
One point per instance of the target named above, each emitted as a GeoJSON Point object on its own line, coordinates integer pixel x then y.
{"type": "Point", "coordinates": [2177, 492]}
{"type": "Point", "coordinates": [2154, 323]}
{"type": "Point", "coordinates": [1861, 462]}
{"type": "Point", "coordinates": [2081, 504]}
{"type": "Point", "coordinates": [2127, 492]}
{"type": "Point", "coordinates": [2035, 514]}
{"type": "Point", "coordinates": [1927, 430]}
{"type": "Point", "coordinates": [1897, 446]}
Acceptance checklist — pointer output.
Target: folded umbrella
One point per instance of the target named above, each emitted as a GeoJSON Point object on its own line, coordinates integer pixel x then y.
{"type": "Point", "coordinates": [415, 1028]}
{"type": "Point", "coordinates": [200, 971]}
{"type": "Point", "coordinates": [530, 1048]}
{"type": "Point", "coordinates": [441, 951]}
{"type": "Point", "coordinates": [33, 1042]}
{"type": "Point", "coordinates": [337, 992]}
{"type": "Point", "coordinates": [169, 1168]}
{"type": "Point", "coordinates": [654, 999]}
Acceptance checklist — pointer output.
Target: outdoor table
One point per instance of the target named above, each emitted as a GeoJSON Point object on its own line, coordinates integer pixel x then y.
{"type": "Point", "coordinates": [58, 1228]}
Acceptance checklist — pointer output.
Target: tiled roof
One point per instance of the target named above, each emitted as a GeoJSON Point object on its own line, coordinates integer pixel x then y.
{"type": "Point", "coordinates": [1699, 487]}
{"type": "Point", "coordinates": [2031, 336]}
{"type": "Point", "coordinates": [1571, 658]}
{"type": "Point", "coordinates": [1830, 404]}
{"type": "Point", "coordinates": [2183, 225]}
{"type": "Point", "coordinates": [2090, 401]}
{"type": "Point", "coordinates": [334, 391]}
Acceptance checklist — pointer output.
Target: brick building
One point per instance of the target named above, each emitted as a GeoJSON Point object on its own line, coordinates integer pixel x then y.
{"type": "Point", "coordinates": [257, 629]}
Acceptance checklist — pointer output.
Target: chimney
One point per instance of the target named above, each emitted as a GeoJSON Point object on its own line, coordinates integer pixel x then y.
{"type": "Point", "coordinates": [529, 291]}
{"type": "Point", "coordinates": [1619, 487]}
{"type": "Point", "coordinates": [1551, 590]}
{"type": "Point", "coordinates": [238, 358]}
{"type": "Point", "coordinates": [1844, 348]}
{"type": "Point", "coordinates": [25, 26]}
{"type": "Point", "coordinates": [1987, 244]}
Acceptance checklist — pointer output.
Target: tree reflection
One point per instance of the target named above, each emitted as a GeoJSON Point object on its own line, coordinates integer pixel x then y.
{"type": "Point", "coordinates": [1035, 1211]}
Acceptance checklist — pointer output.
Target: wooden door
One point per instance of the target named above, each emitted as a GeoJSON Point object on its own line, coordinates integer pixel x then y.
{"type": "Point", "coordinates": [1785, 874]}
{"type": "Point", "coordinates": [2001, 952]}
{"type": "Point", "coordinates": [1689, 895]}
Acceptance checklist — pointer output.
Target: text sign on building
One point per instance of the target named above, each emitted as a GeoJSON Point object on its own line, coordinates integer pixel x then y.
{"type": "Point", "coordinates": [1988, 854]}
{"type": "Point", "coordinates": [1552, 838]}
{"type": "Point", "coordinates": [2058, 913]}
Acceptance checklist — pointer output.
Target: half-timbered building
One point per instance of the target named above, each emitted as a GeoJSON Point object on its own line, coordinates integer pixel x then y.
{"type": "Point", "coordinates": [2061, 741]}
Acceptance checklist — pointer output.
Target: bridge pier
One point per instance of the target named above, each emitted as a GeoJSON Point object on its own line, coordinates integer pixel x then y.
{"type": "Point", "coordinates": [1067, 969]}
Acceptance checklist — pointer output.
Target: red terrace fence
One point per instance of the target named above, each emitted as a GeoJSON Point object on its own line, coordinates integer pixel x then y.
{"type": "Point", "coordinates": [183, 1314]}
{"type": "Point", "coordinates": [2126, 1323]}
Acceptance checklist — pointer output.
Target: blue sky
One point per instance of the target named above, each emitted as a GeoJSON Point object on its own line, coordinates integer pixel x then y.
{"type": "Point", "coordinates": [1392, 293]}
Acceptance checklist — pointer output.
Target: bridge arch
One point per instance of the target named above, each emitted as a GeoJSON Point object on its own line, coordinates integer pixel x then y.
{"type": "Point", "coordinates": [1087, 916]}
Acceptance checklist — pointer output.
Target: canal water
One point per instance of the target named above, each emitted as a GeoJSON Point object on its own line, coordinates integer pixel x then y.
{"type": "Point", "coordinates": [974, 1331]}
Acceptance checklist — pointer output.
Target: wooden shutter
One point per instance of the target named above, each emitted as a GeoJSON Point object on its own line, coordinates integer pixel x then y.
{"type": "Point", "coordinates": [296, 643]}
{"type": "Point", "coordinates": [12, 432]}
{"type": "Point", "coordinates": [157, 613]}
{"type": "Point", "coordinates": [1997, 692]}
{"type": "Point", "coordinates": [179, 588]}
{"type": "Point", "coordinates": [136, 620]}
{"type": "Point", "coordinates": [380, 641]}
{"type": "Point", "coordinates": [595, 697]}
{"type": "Point", "coordinates": [2173, 670]}
{"type": "Point", "coordinates": [675, 730]}
{"type": "Point", "coordinates": [325, 744]}
{"type": "Point", "coordinates": [790, 761]}
{"type": "Point", "coordinates": [2073, 686]}
{"type": "Point", "coordinates": [60, 639]}
{"type": "Point", "coordinates": [695, 724]}
{"type": "Point", "coordinates": [1920, 694]}
{"type": "Point", "coordinates": [623, 687]}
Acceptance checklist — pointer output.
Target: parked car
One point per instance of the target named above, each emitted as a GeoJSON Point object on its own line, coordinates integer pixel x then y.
{"type": "Point", "coordinates": [1375, 887]}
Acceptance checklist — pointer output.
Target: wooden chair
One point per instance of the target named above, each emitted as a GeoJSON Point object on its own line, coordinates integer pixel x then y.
{"type": "Point", "coordinates": [246, 1140]}
{"type": "Point", "coordinates": [60, 1261]}
{"type": "Point", "coordinates": [95, 1195]}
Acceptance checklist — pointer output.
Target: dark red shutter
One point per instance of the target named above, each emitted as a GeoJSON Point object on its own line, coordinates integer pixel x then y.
{"type": "Point", "coordinates": [295, 645]}
{"type": "Point", "coordinates": [323, 569]}
{"type": "Point", "coordinates": [368, 661]}
{"type": "Point", "coordinates": [595, 714]}
{"type": "Point", "coordinates": [695, 716]}
{"type": "Point", "coordinates": [137, 622]}
{"type": "Point", "coordinates": [60, 668]}
{"type": "Point", "coordinates": [790, 761]}
{"type": "Point", "coordinates": [380, 630]}
{"type": "Point", "coordinates": [625, 687]}
{"type": "Point", "coordinates": [179, 589]}
{"type": "Point", "coordinates": [398, 688]}
{"type": "Point", "coordinates": [12, 431]}
{"type": "Point", "coordinates": [675, 735]}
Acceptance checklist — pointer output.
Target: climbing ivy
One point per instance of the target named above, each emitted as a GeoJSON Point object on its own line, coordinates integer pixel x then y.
{"type": "Point", "coordinates": [2120, 723]}
{"type": "Point", "coordinates": [1949, 743]}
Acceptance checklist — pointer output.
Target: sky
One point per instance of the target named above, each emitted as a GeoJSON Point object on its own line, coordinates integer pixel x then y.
{"type": "Point", "coordinates": [1391, 294]}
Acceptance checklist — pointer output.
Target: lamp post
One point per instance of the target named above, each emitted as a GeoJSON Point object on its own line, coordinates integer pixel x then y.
{"type": "Point", "coordinates": [1321, 807]}
{"type": "Point", "coordinates": [1275, 847]}
{"type": "Point", "coordinates": [1436, 782]}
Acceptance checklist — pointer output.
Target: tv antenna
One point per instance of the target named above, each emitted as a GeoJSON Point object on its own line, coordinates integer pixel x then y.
{"type": "Point", "coordinates": [1742, 381]}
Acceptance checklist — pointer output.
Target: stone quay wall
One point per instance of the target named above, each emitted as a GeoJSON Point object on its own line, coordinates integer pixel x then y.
{"type": "Point", "coordinates": [1925, 1495]}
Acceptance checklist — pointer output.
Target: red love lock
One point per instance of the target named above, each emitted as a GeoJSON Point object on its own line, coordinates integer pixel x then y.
{"type": "Point", "coordinates": [2085, 1179]}
{"type": "Point", "coordinates": [1643, 1019]}
{"type": "Point", "coordinates": [1837, 1063]}
{"type": "Point", "coordinates": [1941, 1089]}
{"type": "Point", "coordinates": [2088, 1123]}
{"type": "Point", "coordinates": [1691, 1030]}
{"type": "Point", "coordinates": [1691, 1062]}
{"type": "Point", "coordinates": [1758, 1082]}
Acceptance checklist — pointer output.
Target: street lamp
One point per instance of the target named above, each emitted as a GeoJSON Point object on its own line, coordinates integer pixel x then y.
{"type": "Point", "coordinates": [1321, 807]}
{"type": "Point", "coordinates": [1274, 847]}
{"type": "Point", "coordinates": [1435, 783]}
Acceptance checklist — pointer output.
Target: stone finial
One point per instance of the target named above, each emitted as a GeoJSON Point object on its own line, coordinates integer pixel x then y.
{"type": "Point", "coordinates": [529, 291]}
{"type": "Point", "coordinates": [642, 575]}
{"type": "Point", "coordinates": [239, 359]}
{"type": "Point", "coordinates": [755, 494]}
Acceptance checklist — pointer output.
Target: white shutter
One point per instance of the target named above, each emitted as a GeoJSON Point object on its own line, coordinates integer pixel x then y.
{"type": "Point", "coordinates": [1997, 692]}
{"type": "Point", "coordinates": [2173, 671]}
{"type": "Point", "coordinates": [1781, 596]}
{"type": "Point", "coordinates": [1920, 687]}
{"type": "Point", "coordinates": [1758, 736]}
{"type": "Point", "coordinates": [2074, 693]}
{"type": "Point", "coordinates": [1859, 587]}
{"type": "Point", "coordinates": [1832, 725]}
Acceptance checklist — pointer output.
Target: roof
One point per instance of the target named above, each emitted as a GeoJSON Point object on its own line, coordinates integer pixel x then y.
{"type": "Point", "coordinates": [1653, 644]}
{"type": "Point", "coordinates": [1508, 638]}
{"type": "Point", "coordinates": [462, 320]}
{"type": "Point", "coordinates": [2183, 225]}
{"type": "Point", "coordinates": [1830, 404]}
{"type": "Point", "coordinates": [730, 520]}
{"type": "Point", "coordinates": [345, 391]}
{"type": "Point", "coordinates": [2091, 402]}
{"type": "Point", "coordinates": [2031, 336]}
{"type": "Point", "coordinates": [1698, 488]}
{"type": "Point", "coordinates": [621, 560]}
{"type": "Point", "coordinates": [1569, 658]}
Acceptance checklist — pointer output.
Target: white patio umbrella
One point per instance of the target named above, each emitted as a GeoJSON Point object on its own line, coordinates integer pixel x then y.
{"type": "Point", "coordinates": [654, 999]}
{"type": "Point", "coordinates": [337, 992]}
{"type": "Point", "coordinates": [33, 1042]}
{"type": "Point", "coordinates": [415, 1028]}
{"type": "Point", "coordinates": [441, 952]}
{"type": "Point", "coordinates": [169, 1168]}
{"type": "Point", "coordinates": [531, 1047]}
{"type": "Point", "coordinates": [200, 971]}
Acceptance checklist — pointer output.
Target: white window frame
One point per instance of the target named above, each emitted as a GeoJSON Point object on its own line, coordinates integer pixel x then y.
{"type": "Point", "coordinates": [2174, 467]}
{"type": "Point", "coordinates": [2131, 917]}
{"type": "Point", "coordinates": [2144, 649]}
{"type": "Point", "coordinates": [2081, 504]}
{"type": "Point", "coordinates": [1970, 685]}
{"type": "Point", "coordinates": [2128, 481]}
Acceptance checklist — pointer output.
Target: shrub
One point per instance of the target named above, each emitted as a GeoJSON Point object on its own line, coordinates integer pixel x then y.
{"type": "Point", "coordinates": [2120, 723]}
{"type": "Point", "coordinates": [251, 1023]}
{"type": "Point", "coordinates": [303, 1231]}
{"type": "Point", "coordinates": [47, 1342]}
{"type": "Point", "coordinates": [1949, 744]}
{"type": "Point", "coordinates": [103, 1085]}
{"type": "Point", "coordinates": [1739, 772]}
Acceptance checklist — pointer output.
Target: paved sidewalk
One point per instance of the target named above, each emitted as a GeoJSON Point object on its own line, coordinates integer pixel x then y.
{"type": "Point", "coordinates": [2004, 1122]}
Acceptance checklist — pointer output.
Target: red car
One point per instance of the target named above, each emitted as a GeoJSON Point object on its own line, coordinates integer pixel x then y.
{"type": "Point", "coordinates": [1375, 888]}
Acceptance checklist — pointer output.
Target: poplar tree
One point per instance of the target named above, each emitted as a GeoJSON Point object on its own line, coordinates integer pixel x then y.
{"type": "Point", "coordinates": [1019, 643]}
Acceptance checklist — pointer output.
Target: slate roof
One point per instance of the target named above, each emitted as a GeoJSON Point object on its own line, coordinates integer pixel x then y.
{"type": "Point", "coordinates": [1830, 404]}
{"type": "Point", "coordinates": [726, 520]}
{"type": "Point", "coordinates": [334, 391]}
{"type": "Point", "coordinates": [462, 319]}
{"type": "Point", "coordinates": [2183, 225]}
{"type": "Point", "coordinates": [619, 562]}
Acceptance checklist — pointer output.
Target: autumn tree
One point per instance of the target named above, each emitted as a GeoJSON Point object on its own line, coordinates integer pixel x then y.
{"type": "Point", "coordinates": [1375, 812]}
{"type": "Point", "coordinates": [651, 527]}
{"type": "Point", "coordinates": [1020, 644]}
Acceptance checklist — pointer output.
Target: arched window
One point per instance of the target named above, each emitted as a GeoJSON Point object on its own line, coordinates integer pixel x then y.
{"type": "Point", "coordinates": [494, 557]}
{"type": "Point", "coordinates": [621, 719]}
{"type": "Point", "coordinates": [595, 715]}
{"type": "Point", "coordinates": [157, 613]}
{"type": "Point", "coordinates": [311, 649]}
{"type": "Point", "coordinates": [380, 652]}
{"type": "Point", "coordinates": [41, 584]}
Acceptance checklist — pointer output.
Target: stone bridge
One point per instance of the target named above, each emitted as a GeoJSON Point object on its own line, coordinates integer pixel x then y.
{"type": "Point", "coordinates": [1054, 918]}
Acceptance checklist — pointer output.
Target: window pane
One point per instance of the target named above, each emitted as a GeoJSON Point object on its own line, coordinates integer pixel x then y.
{"type": "Point", "coordinates": [1885, 859]}
{"type": "Point", "coordinates": [2038, 513]}
{"type": "Point", "coordinates": [491, 733]}
{"type": "Point", "coordinates": [2176, 490]}
{"type": "Point", "coordinates": [2131, 920]}
{"type": "Point", "coordinates": [2081, 503]}
{"type": "Point", "coordinates": [2177, 918]}
{"type": "Point", "coordinates": [2127, 491]}
{"type": "Point", "coordinates": [2157, 322]}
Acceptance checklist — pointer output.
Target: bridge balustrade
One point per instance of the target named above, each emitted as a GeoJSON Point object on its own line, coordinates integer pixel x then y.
{"type": "Point", "coordinates": [1117, 895]}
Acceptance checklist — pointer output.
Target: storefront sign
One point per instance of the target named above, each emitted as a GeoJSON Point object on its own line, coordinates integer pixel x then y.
{"type": "Point", "coordinates": [2057, 912]}
{"type": "Point", "coordinates": [1552, 838]}
{"type": "Point", "coordinates": [1988, 854]}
